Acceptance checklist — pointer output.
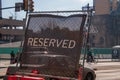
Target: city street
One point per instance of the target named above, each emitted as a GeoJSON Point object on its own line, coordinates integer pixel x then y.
{"type": "Point", "coordinates": [108, 71]}
{"type": "Point", "coordinates": [105, 70]}
{"type": "Point", "coordinates": [57, 39]}
{"type": "Point", "coordinates": [108, 74]}
{"type": "Point", "coordinates": [3, 67]}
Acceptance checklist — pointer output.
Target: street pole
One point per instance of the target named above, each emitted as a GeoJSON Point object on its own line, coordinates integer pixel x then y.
{"type": "Point", "coordinates": [89, 15]}
{"type": "Point", "coordinates": [7, 8]}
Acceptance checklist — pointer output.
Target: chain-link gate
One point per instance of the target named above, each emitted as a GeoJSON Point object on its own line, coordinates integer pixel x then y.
{"type": "Point", "coordinates": [53, 44]}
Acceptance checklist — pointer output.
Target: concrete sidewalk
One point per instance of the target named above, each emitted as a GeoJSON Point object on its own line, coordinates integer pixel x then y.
{"type": "Point", "coordinates": [3, 67]}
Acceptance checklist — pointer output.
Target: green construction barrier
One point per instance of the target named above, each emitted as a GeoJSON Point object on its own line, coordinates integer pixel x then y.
{"type": "Point", "coordinates": [102, 50]}
{"type": "Point", "coordinates": [8, 50]}
{"type": "Point", "coordinates": [95, 50]}
{"type": "Point", "coordinates": [99, 50]}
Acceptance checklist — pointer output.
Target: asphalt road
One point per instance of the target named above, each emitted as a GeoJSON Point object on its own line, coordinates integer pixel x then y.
{"type": "Point", "coordinates": [108, 71]}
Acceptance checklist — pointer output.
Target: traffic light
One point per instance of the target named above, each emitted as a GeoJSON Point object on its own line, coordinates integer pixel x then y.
{"type": "Point", "coordinates": [25, 5]}
{"type": "Point", "coordinates": [31, 6]}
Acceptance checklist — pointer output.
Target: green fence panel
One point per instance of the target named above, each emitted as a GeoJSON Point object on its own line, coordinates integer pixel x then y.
{"type": "Point", "coordinates": [8, 50]}
{"type": "Point", "coordinates": [102, 50]}
{"type": "Point", "coordinates": [95, 50]}
{"type": "Point", "coordinates": [99, 50]}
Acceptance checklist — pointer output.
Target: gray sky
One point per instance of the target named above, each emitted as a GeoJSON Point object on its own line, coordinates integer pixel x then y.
{"type": "Point", "coordinates": [44, 5]}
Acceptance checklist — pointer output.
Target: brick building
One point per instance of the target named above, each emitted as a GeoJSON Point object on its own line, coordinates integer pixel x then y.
{"type": "Point", "coordinates": [107, 22]}
{"type": "Point", "coordinates": [105, 6]}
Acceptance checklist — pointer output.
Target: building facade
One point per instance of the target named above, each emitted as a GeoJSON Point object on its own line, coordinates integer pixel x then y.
{"type": "Point", "coordinates": [105, 6]}
{"type": "Point", "coordinates": [106, 20]}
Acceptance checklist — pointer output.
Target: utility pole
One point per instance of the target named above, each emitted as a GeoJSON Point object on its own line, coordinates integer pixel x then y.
{"type": "Point", "coordinates": [89, 15]}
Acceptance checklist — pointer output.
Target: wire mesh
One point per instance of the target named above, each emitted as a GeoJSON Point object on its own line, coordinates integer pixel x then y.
{"type": "Point", "coordinates": [53, 44]}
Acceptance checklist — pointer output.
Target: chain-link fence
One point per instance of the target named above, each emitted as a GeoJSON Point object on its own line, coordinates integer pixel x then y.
{"type": "Point", "coordinates": [53, 44]}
